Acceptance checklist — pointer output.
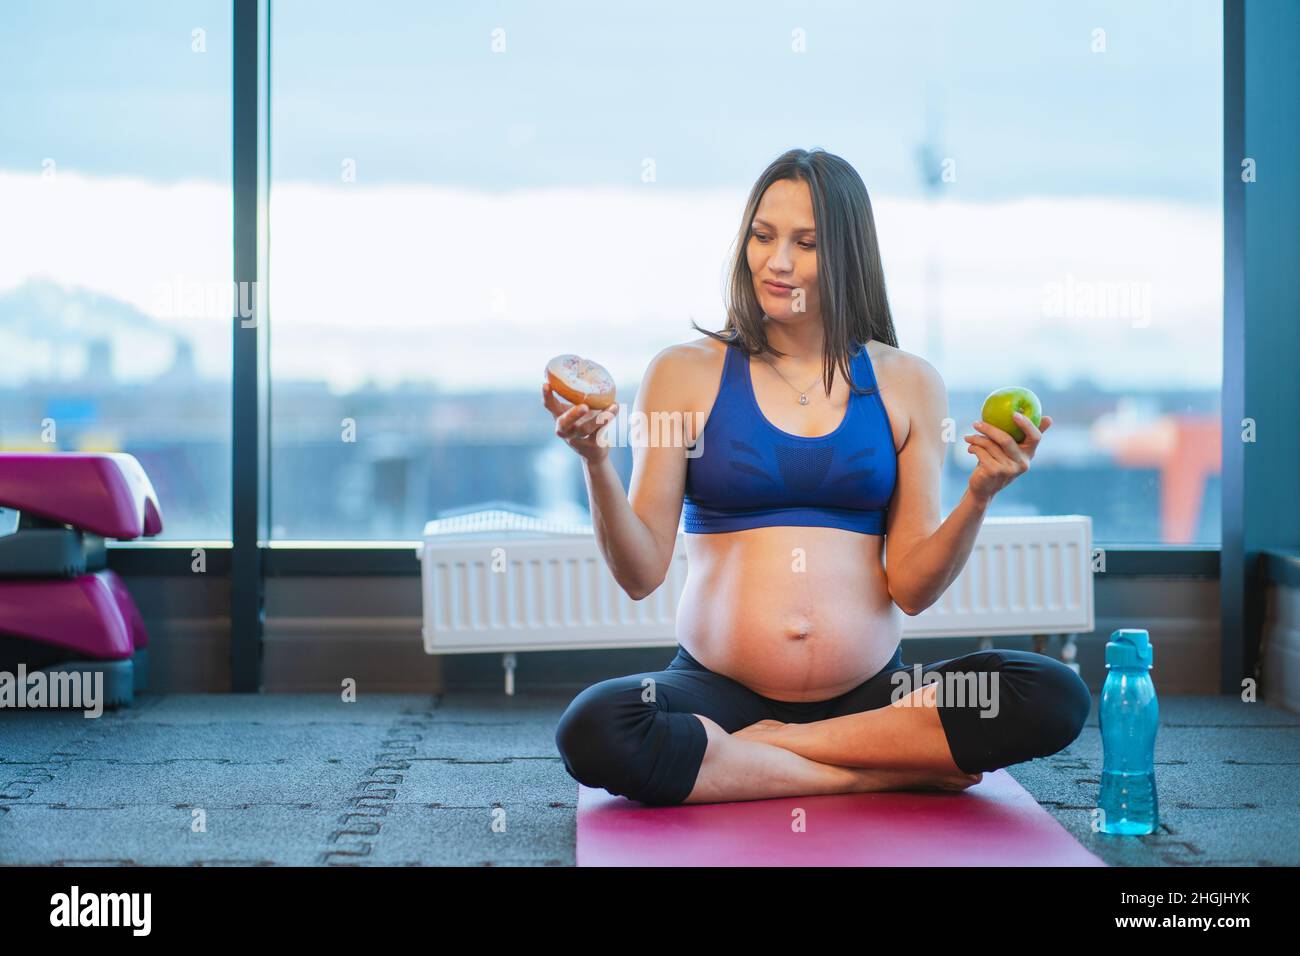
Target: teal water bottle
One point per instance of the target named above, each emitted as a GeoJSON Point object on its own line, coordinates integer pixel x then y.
{"type": "Point", "coordinates": [1129, 717]}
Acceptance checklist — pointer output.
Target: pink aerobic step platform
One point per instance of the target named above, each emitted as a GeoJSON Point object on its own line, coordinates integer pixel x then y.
{"type": "Point", "coordinates": [994, 823]}
{"type": "Point", "coordinates": [61, 609]}
{"type": "Point", "coordinates": [92, 614]}
{"type": "Point", "coordinates": [105, 493]}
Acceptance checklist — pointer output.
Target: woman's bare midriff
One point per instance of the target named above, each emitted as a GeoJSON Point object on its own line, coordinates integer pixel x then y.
{"type": "Point", "coordinates": [793, 613]}
{"type": "Point", "coordinates": [748, 612]}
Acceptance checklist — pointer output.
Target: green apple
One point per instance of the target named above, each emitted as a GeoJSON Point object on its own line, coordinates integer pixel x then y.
{"type": "Point", "coordinates": [1000, 405]}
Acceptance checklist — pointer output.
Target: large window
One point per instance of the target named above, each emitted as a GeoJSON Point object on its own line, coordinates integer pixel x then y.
{"type": "Point", "coordinates": [459, 194]}
{"type": "Point", "coordinates": [115, 242]}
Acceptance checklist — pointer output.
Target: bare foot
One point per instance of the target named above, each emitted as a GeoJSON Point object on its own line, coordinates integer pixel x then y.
{"type": "Point", "coordinates": [872, 779]}
{"type": "Point", "coordinates": [765, 731]}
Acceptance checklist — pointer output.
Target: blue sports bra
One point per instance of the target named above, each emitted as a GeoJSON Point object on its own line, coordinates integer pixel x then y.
{"type": "Point", "coordinates": [744, 472]}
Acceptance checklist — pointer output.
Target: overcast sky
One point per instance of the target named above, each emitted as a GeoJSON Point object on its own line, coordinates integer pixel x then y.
{"type": "Point", "coordinates": [583, 91]}
{"type": "Point", "coordinates": [499, 200]}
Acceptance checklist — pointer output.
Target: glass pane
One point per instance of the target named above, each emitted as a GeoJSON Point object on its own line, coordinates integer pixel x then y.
{"type": "Point", "coordinates": [459, 195]}
{"type": "Point", "coordinates": [115, 242]}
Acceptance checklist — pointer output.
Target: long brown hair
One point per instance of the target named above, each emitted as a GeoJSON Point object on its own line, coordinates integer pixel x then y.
{"type": "Point", "coordinates": [850, 278]}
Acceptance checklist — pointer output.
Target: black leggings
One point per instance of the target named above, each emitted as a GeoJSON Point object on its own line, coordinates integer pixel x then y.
{"type": "Point", "coordinates": [637, 736]}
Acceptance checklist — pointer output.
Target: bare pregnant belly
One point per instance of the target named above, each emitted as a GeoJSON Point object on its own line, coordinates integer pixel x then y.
{"type": "Point", "coordinates": [795, 614]}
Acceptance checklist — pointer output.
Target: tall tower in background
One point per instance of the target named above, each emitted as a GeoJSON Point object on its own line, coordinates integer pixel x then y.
{"type": "Point", "coordinates": [930, 158]}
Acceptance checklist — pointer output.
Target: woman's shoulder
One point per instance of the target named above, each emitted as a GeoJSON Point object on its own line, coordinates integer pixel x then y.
{"type": "Point", "coordinates": [704, 345]}
{"type": "Point", "coordinates": [884, 352]}
{"type": "Point", "coordinates": [894, 362]}
{"type": "Point", "coordinates": [701, 356]}
{"type": "Point", "coordinates": [685, 375]}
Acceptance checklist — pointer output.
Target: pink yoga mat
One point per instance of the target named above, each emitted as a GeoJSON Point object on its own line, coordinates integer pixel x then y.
{"type": "Point", "coordinates": [994, 823]}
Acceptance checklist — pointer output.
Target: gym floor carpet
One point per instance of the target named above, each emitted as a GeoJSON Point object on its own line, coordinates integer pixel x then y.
{"type": "Point", "coordinates": [472, 778]}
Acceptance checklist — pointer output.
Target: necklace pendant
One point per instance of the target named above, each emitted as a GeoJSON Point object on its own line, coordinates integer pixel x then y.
{"type": "Point", "coordinates": [803, 399]}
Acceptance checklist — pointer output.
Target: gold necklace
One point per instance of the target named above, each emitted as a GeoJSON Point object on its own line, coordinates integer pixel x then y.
{"type": "Point", "coordinates": [803, 396]}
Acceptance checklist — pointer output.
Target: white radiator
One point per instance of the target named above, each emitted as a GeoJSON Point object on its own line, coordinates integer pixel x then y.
{"type": "Point", "coordinates": [1024, 576]}
{"type": "Point", "coordinates": [548, 591]}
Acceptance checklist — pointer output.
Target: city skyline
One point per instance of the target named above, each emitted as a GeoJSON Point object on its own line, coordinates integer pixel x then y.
{"type": "Point", "coordinates": [385, 314]}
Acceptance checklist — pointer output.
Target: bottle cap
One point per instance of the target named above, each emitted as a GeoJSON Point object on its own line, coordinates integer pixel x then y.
{"type": "Point", "coordinates": [1129, 647]}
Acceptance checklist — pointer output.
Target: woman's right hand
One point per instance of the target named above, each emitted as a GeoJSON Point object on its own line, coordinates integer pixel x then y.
{"type": "Point", "coordinates": [578, 425]}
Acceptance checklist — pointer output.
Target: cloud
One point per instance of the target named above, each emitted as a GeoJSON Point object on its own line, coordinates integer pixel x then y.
{"type": "Point", "coordinates": [476, 290]}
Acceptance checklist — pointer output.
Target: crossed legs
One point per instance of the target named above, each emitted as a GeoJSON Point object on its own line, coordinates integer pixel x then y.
{"type": "Point", "coordinates": [761, 763]}
{"type": "Point", "coordinates": [689, 735]}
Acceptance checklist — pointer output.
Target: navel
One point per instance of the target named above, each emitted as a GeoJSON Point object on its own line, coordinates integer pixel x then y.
{"type": "Point", "coordinates": [799, 632]}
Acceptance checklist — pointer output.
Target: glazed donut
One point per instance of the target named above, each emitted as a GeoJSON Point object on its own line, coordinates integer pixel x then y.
{"type": "Point", "coordinates": [581, 381]}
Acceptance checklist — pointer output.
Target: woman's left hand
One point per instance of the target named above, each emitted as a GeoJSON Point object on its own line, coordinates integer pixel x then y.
{"type": "Point", "coordinates": [1001, 460]}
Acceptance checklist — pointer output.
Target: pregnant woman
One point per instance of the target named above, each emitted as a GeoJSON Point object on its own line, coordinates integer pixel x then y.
{"type": "Point", "coordinates": [795, 482]}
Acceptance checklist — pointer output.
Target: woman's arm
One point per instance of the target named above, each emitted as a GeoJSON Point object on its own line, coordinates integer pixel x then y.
{"type": "Point", "coordinates": [927, 556]}
{"type": "Point", "coordinates": [934, 562]}
{"type": "Point", "coordinates": [637, 532]}
{"type": "Point", "coordinates": [629, 547]}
